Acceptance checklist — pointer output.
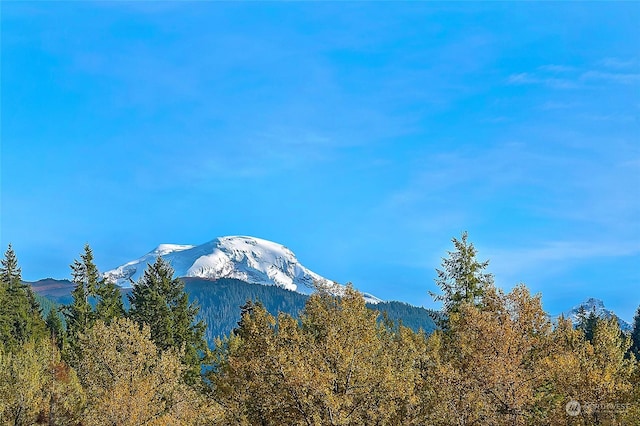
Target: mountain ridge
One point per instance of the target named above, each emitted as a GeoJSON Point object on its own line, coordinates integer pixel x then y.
{"type": "Point", "coordinates": [596, 306]}
{"type": "Point", "coordinates": [250, 259]}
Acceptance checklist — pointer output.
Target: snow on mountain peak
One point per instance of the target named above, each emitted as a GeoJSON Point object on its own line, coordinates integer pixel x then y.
{"type": "Point", "coordinates": [249, 259]}
{"type": "Point", "coordinates": [163, 249]}
{"type": "Point", "coordinates": [597, 307]}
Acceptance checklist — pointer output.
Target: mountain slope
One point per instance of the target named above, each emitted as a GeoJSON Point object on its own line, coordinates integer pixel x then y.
{"type": "Point", "coordinates": [220, 302]}
{"type": "Point", "coordinates": [597, 307]}
{"type": "Point", "coordinates": [57, 290]}
{"type": "Point", "coordinates": [249, 259]}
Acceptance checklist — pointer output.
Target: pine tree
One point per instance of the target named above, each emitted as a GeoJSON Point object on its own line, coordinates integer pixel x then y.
{"type": "Point", "coordinates": [85, 272]}
{"type": "Point", "coordinates": [10, 272]}
{"type": "Point", "coordinates": [587, 322]}
{"type": "Point", "coordinates": [159, 300]}
{"type": "Point", "coordinates": [79, 314]}
{"type": "Point", "coordinates": [5, 314]}
{"type": "Point", "coordinates": [56, 328]}
{"type": "Point", "coordinates": [20, 317]}
{"type": "Point", "coordinates": [462, 278]}
{"type": "Point", "coordinates": [109, 306]}
{"type": "Point", "coordinates": [90, 290]}
{"type": "Point", "coordinates": [635, 335]}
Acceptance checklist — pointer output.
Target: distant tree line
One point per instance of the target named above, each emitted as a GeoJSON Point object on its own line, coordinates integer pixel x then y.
{"type": "Point", "coordinates": [220, 300]}
{"type": "Point", "coordinates": [495, 358]}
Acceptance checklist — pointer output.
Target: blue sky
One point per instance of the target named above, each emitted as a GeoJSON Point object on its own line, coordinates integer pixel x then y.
{"type": "Point", "coordinates": [363, 136]}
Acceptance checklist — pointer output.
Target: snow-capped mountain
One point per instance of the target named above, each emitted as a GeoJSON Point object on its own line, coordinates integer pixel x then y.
{"type": "Point", "coordinates": [249, 259]}
{"type": "Point", "coordinates": [596, 306]}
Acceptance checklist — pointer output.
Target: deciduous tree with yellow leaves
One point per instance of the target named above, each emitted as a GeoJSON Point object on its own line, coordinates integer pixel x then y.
{"type": "Point", "coordinates": [129, 381]}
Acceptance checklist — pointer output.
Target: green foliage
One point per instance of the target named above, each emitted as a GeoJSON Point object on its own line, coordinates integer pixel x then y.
{"type": "Point", "coordinates": [635, 335]}
{"type": "Point", "coordinates": [20, 317]}
{"type": "Point", "coordinates": [109, 305]}
{"type": "Point", "coordinates": [413, 317]}
{"type": "Point", "coordinates": [462, 278]}
{"type": "Point", "coordinates": [220, 302]}
{"type": "Point", "coordinates": [587, 322]}
{"type": "Point", "coordinates": [58, 291]}
{"type": "Point", "coordinates": [79, 314]}
{"type": "Point", "coordinates": [159, 300]}
{"type": "Point", "coordinates": [90, 291]}
{"type": "Point", "coordinates": [56, 328]}
{"type": "Point", "coordinates": [6, 322]}
{"type": "Point", "coordinates": [46, 304]}
{"type": "Point", "coordinates": [329, 360]}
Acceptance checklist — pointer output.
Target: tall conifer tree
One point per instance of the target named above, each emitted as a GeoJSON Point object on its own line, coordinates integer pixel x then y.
{"type": "Point", "coordinates": [90, 290]}
{"type": "Point", "coordinates": [20, 317]}
{"type": "Point", "coordinates": [110, 304]}
{"type": "Point", "coordinates": [587, 322]}
{"type": "Point", "coordinates": [79, 314]}
{"type": "Point", "coordinates": [159, 300]}
{"type": "Point", "coordinates": [56, 329]}
{"type": "Point", "coordinates": [462, 278]}
{"type": "Point", "coordinates": [635, 335]}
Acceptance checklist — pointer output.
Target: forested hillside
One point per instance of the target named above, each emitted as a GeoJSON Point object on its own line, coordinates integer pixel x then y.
{"type": "Point", "coordinates": [220, 301]}
{"type": "Point", "coordinates": [495, 359]}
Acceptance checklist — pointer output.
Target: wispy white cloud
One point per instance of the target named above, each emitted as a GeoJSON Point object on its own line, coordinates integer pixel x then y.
{"type": "Point", "coordinates": [556, 68]}
{"type": "Point", "coordinates": [559, 76]}
{"type": "Point", "coordinates": [496, 120]}
{"type": "Point", "coordinates": [563, 251]}
{"type": "Point", "coordinates": [620, 63]}
{"type": "Point", "coordinates": [556, 105]}
{"type": "Point", "coordinates": [615, 77]}
{"type": "Point", "coordinates": [552, 82]}
{"type": "Point", "coordinates": [523, 78]}
{"type": "Point", "coordinates": [261, 155]}
{"type": "Point", "coordinates": [615, 118]}
{"type": "Point", "coordinates": [578, 197]}
{"type": "Point", "coordinates": [556, 255]}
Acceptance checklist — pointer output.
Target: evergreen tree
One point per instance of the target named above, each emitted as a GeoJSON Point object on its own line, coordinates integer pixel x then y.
{"type": "Point", "coordinates": [635, 335]}
{"type": "Point", "coordinates": [587, 322]}
{"type": "Point", "coordinates": [54, 324]}
{"type": "Point", "coordinates": [20, 317]}
{"type": "Point", "coordinates": [84, 272]}
{"type": "Point", "coordinates": [5, 314]}
{"type": "Point", "coordinates": [10, 272]}
{"type": "Point", "coordinates": [80, 315]}
{"type": "Point", "coordinates": [462, 278]}
{"type": "Point", "coordinates": [159, 300]}
{"type": "Point", "coordinates": [110, 304]}
{"type": "Point", "coordinates": [246, 311]}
